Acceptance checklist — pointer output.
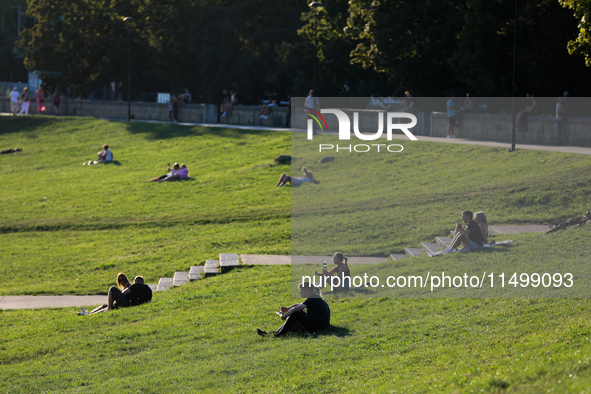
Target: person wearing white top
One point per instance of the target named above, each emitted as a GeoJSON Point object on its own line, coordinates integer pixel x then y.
{"type": "Point", "coordinates": [14, 98]}
{"type": "Point", "coordinates": [104, 156]}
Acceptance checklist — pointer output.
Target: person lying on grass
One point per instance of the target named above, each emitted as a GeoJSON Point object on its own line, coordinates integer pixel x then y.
{"type": "Point", "coordinates": [341, 271]}
{"type": "Point", "coordinates": [11, 150]}
{"type": "Point", "coordinates": [104, 156]}
{"type": "Point", "coordinates": [470, 237]}
{"type": "Point", "coordinates": [126, 295]}
{"type": "Point", "coordinates": [315, 317]}
{"type": "Point", "coordinates": [182, 174]}
{"type": "Point", "coordinates": [173, 174]}
{"type": "Point", "coordinates": [284, 178]}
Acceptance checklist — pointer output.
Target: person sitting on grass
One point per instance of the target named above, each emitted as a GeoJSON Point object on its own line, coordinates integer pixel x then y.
{"type": "Point", "coordinates": [104, 156]}
{"type": "Point", "coordinates": [341, 270]}
{"type": "Point", "coordinates": [172, 173]}
{"type": "Point", "coordinates": [315, 318]}
{"type": "Point", "coordinates": [470, 237]}
{"type": "Point", "coordinates": [136, 294]}
{"type": "Point", "coordinates": [117, 296]}
{"type": "Point", "coordinates": [284, 178]}
{"type": "Point", "coordinates": [480, 219]}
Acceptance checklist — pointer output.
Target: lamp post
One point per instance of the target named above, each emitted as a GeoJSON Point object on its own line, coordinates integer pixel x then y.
{"type": "Point", "coordinates": [514, 87]}
{"type": "Point", "coordinates": [127, 20]}
{"type": "Point", "coordinates": [315, 5]}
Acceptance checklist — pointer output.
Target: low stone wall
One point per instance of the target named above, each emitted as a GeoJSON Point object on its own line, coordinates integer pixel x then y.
{"type": "Point", "coordinates": [248, 115]}
{"type": "Point", "coordinates": [194, 113]}
{"type": "Point", "coordinates": [541, 129]}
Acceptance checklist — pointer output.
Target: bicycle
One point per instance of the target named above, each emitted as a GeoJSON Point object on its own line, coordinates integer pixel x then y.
{"type": "Point", "coordinates": [574, 222]}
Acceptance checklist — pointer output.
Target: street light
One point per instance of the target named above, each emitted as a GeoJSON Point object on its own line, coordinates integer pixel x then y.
{"type": "Point", "coordinates": [127, 20]}
{"type": "Point", "coordinates": [315, 5]}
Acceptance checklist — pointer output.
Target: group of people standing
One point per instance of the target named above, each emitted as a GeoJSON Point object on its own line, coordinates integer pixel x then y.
{"type": "Point", "coordinates": [22, 101]}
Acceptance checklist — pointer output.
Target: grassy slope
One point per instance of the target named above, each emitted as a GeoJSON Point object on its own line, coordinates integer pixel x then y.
{"type": "Point", "coordinates": [376, 204]}
{"type": "Point", "coordinates": [201, 336]}
{"type": "Point", "coordinates": [104, 219]}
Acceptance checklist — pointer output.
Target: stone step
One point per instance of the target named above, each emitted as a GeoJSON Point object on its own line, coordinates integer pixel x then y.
{"type": "Point", "coordinates": [196, 272]}
{"type": "Point", "coordinates": [164, 284]}
{"type": "Point", "coordinates": [180, 278]}
{"type": "Point", "coordinates": [444, 242]}
{"type": "Point", "coordinates": [413, 252]}
{"type": "Point", "coordinates": [153, 286]}
{"type": "Point", "coordinates": [397, 256]}
{"type": "Point", "coordinates": [212, 267]}
{"type": "Point", "coordinates": [430, 247]}
{"type": "Point", "coordinates": [228, 261]}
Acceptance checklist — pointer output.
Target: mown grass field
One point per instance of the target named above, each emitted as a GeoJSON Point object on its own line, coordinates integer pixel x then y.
{"type": "Point", "coordinates": [68, 229]}
{"type": "Point", "coordinates": [374, 204]}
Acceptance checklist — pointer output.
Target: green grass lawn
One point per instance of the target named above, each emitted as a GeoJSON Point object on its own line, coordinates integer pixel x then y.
{"type": "Point", "coordinates": [201, 338]}
{"type": "Point", "coordinates": [374, 204]}
{"type": "Point", "coordinates": [68, 229]}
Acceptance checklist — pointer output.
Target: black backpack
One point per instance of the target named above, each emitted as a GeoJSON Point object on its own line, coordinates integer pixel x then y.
{"type": "Point", "coordinates": [139, 293]}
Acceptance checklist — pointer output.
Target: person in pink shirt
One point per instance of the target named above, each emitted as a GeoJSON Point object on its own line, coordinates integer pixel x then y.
{"type": "Point", "coordinates": [184, 172]}
{"type": "Point", "coordinates": [40, 97]}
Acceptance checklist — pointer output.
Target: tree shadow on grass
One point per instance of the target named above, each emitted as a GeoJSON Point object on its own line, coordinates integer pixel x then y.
{"type": "Point", "coordinates": [26, 124]}
{"type": "Point", "coordinates": [159, 131]}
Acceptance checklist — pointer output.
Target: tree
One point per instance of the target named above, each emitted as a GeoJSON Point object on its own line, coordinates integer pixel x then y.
{"type": "Point", "coordinates": [11, 66]}
{"type": "Point", "coordinates": [582, 12]}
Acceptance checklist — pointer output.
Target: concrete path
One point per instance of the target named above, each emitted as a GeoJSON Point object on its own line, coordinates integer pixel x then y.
{"type": "Point", "coordinates": [258, 259]}
{"type": "Point", "coordinates": [530, 228]}
{"type": "Point", "coordinates": [60, 301]}
{"type": "Point", "coordinates": [548, 148]}
{"type": "Point", "coordinates": [466, 141]}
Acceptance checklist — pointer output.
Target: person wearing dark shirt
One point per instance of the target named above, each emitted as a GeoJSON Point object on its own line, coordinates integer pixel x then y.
{"type": "Point", "coordinates": [315, 317]}
{"type": "Point", "coordinates": [470, 237]}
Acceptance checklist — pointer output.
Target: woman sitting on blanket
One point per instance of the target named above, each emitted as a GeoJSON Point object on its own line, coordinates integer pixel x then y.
{"type": "Point", "coordinates": [284, 178]}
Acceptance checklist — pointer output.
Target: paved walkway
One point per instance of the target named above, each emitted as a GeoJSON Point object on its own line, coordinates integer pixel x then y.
{"type": "Point", "coordinates": [532, 228]}
{"type": "Point", "coordinates": [60, 301]}
{"type": "Point", "coordinates": [466, 141]}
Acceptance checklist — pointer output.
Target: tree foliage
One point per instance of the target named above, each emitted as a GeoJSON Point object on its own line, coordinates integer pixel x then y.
{"type": "Point", "coordinates": [364, 47]}
{"type": "Point", "coordinates": [206, 45]}
{"type": "Point", "coordinates": [582, 12]}
{"type": "Point", "coordinates": [11, 63]}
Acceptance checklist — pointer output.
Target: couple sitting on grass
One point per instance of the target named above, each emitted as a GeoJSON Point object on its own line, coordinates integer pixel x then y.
{"type": "Point", "coordinates": [176, 173]}
{"type": "Point", "coordinates": [125, 295]}
{"type": "Point", "coordinates": [104, 156]}
{"type": "Point", "coordinates": [474, 236]}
